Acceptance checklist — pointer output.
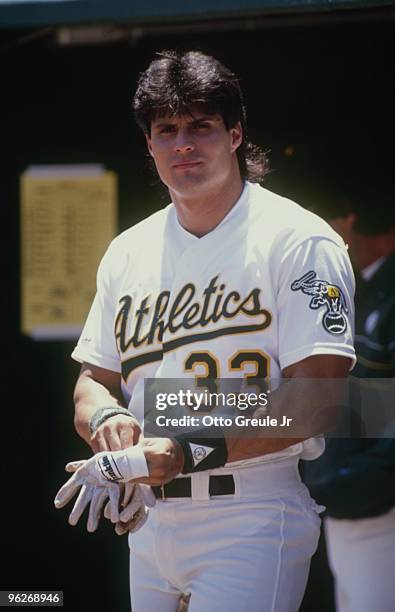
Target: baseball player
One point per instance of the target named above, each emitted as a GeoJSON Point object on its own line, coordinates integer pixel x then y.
{"type": "Point", "coordinates": [227, 281]}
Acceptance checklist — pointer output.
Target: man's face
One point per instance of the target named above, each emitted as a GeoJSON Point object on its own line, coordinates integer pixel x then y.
{"type": "Point", "coordinates": [194, 154]}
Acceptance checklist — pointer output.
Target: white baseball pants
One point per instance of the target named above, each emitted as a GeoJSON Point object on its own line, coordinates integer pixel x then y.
{"type": "Point", "coordinates": [248, 551]}
{"type": "Point", "coordinates": [361, 555]}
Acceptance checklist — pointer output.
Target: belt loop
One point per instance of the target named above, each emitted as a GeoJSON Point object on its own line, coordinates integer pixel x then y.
{"type": "Point", "coordinates": [237, 481]}
{"type": "Point", "coordinates": [200, 486]}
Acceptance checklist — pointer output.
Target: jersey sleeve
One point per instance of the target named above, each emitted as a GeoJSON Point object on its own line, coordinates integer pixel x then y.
{"type": "Point", "coordinates": [96, 344]}
{"type": "Point", "coordinates": [315, 301]}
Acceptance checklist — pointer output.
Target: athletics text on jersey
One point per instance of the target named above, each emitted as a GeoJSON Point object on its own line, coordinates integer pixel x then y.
{"type": "Point", "coordinates": [231, 304]}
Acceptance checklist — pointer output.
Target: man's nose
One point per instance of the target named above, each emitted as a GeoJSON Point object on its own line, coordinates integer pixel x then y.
{"type": "Point", "coordinates": [184, 142]}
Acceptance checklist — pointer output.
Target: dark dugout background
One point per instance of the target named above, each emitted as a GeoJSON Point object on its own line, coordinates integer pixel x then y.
{"type": "Point", "coordinates": [319, 97]}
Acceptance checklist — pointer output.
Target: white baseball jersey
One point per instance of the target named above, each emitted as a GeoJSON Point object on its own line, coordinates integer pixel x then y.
{"type": "Point", "coordinates": [271, 285]}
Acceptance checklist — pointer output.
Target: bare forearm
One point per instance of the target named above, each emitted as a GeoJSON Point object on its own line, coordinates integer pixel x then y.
{"type": "Point", "coordinates": [310, 394]}
{"type": "Point", "coordinates": [311, 400]}
{"type": "Point", "coordinates": [89, 395]}
{"type": "Point", "coordinates": [266, 432]}
{"type": "Point", "coordinates": [299, 409]}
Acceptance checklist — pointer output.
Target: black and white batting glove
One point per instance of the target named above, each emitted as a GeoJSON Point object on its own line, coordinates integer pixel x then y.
{"type": "Point", "coordinates": [97, 479]}
{"type": "Point", "coordinates": [127, 509]}
{"type": "Point", "coordinates": [95, 497]}
{"type": "Point", "coordinates": [137, 498]}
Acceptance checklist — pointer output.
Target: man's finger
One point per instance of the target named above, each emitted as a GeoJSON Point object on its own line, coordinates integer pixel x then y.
{"type": "Point", "coordinates": [126, 436]}
{"type": "Point", "coordinates": [99, 442]}
{"type": "Point", "coordinates": [107, 510]}
{"type": "Point", "coordinates": [73, 466]}
{"type": "Point", "coordinates": [111, 509]}
{"type": "Point", "coordinates": [127, 494]}
{"type": "Point", "coordinates": [113, 441]}
{"type": "Point", "coordinates": [139, 519]}
{"type": "Point", "coordinates": [133, 507]}
{"type": "Point", "coordinates": [134, 524]}
{"type": "Point", "coordinates": [114, 494]}
{"type": "Point", "coordinates": [67, 491]}
{"type": "Point", "coordinates": [148, 495]}
{"type": "Point", "coordinates": [83, 499]}
{"type": "Point", "coordinates": [121, 528]}
{"type": "Point", "coordinates": [99, 497]}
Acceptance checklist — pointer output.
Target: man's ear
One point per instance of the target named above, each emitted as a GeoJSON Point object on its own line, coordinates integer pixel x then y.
{"type": "Point", "coordinates": [149, 147]}
{"type": "Point", "coordinates": [236, 133]}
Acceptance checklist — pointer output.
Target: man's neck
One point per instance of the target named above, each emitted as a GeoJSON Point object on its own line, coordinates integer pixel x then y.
{"type": "Point", "coordinates": [200, 215]}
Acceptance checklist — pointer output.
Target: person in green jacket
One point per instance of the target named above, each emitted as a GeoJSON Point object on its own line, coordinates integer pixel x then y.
{"type": "Point", "coordinates": [355, 477]}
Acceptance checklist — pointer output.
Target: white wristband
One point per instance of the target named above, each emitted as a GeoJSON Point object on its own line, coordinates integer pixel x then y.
{"type": "Point", "coordinates": [123, 465]}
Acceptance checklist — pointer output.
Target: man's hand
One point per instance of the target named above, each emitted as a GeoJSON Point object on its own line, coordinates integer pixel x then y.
{"type": "Point", "coordinates": [103, 469]}
{"type": "Point", "coordinates": [134, 511]}
{"type": "Point", "coordinates": [154, 461]}
{"type": "Point", "coordinates": [97, 388]}
{"type": "Point", "coordinates": [116, 433]}
{"type": "Point", "coordinates": [165, 460]}
{"type": "Point", "coordinates": [125, 507]}
{"type": "Point", "coordinates": [95, 496]}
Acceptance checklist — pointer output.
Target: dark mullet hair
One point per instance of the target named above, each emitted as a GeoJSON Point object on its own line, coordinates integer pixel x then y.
{"type": "Point", "coordinates": [177, 82]}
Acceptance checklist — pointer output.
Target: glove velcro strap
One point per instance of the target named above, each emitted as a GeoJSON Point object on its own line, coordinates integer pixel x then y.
{"type": "Point", "coordinates": [201, 451]}
{"type": "Point", "coordinates": [102, 414]}
{"type": "Point", "coordinates": [123, 465]}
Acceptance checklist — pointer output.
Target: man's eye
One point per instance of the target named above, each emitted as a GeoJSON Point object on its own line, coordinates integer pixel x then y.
{"type": "Point", "coordinates": [167, 129]}
{"type": "Point", "coordinates": [202, 126]}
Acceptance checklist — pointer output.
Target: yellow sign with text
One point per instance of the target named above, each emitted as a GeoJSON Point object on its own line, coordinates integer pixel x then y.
{"type": "Point", "coordinates": [67, 221]}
